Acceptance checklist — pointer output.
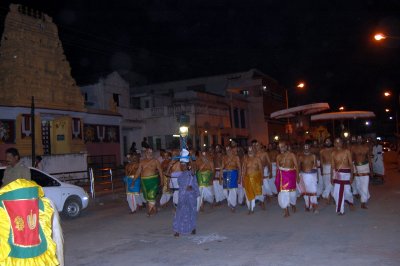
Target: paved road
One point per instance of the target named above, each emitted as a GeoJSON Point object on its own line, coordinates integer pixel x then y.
{"type": "Point", "coordinates": [107, 235]}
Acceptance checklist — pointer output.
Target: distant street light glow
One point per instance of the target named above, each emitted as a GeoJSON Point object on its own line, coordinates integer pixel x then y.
{"type": "Point", "coordinates": [387, 94]}
{"type": "Point", "coordinates": [379, 36]}
{"type": "Point", "coordinates": [367, 123]}
{"type": "Point", "coordinates": [387, 110]}
{"type": "Point", "coordinates": [391, 117]}
{"type": "Point", "coordinates": [341, 108]}
{"type": "Point", "coordinates": [301, 85]}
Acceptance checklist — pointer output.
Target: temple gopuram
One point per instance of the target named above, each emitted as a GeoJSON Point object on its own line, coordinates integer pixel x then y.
{"type": "Point", "coordinates": [33, 64]}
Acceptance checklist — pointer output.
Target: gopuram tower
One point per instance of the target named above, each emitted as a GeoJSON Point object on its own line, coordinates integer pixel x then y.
{"type": "Point", "coordinates": [32, 63]}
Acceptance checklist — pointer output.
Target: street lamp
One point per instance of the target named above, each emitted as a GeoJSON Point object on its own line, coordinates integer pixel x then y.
{"type": "Point", "coordinates": [341, 108]}
{"type": "Point", "coordinates": [184, 121]}
{"type": "Point", "coordinates": [300, 85]}
{"type": "Point", "coordinates": [380, 36]}
{"type": "Point", "coordinates": [388, 94]}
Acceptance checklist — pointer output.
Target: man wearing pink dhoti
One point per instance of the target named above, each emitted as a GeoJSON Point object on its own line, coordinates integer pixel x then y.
{"type": "Point", "coordinates": [341, 176]}
{"type": "Point", "coordinates": [286, 178]}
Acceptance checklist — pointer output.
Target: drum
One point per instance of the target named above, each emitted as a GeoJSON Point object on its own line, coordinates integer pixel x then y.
{"type": "Point", "coordinates": [230, 179]}
{"type": "Point", "coordinates": [132, 187]}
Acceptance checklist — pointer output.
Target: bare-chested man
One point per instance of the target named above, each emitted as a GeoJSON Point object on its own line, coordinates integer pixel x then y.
{"type": "Point", "coordinates": [326, 157]}
{"type": "Point", "coordinates": [362, 169]}
{"type": "Point", "coordinates": [133, 184]}
{"type": "Point", "coordinates": [217, 183]}
{"type": "Point", "coordinates": [252, 179]}
{"type": "Point", "coordinates": [272, 154]}
{"type": "Point", "coordinates": [315, 149]}
{"type": "Point", "coordinates": [173, 171]}
{"type": "Point", "coordinates": [266, 163]}
{"type": "Point", "coordinates": [205, 173]}
{"type": "Point", "coordinates": [166, 192]}
{"type": "Point", "coordinates": [231, 174]}
{"type": "Point", "coordinates": [309, 178]}
{"type": "Point", "coordinates": [341, 176]}
{"type": "Point", "coordinates": [151, 176]}
{"type": "Point", "coordinates": [286, 178]}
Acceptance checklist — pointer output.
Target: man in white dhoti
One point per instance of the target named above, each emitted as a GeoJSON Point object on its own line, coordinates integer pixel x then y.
{"type": "Point", "coordinates": [362, 170]}
{"type": "Point", "coordinates": [377, 162]}
{"type": "Point", "coordinates": [308, 178]}
{"type": "Point", "coordinates": [272, 154]}
{"type": "Point", "coordinates": [231, 174]}
{"type": "Point", "coordinates": [315, 149]}
{"type": "Point", "coordinates": [174, 171]}
{"type": "Point", "coordinates": [342, 176]}
{"type": "Point", "coordinates": [326, 157]}
{"type": "Point", "coordinates": [286, 178]}
{"type": "Point", "coordinates": [205, 175]}
{"type": "Point", "coordinates": [217, 183]}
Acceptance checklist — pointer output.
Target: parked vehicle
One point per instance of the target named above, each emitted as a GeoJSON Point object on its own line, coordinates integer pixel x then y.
{"type": "Point", "coordinates": [69, 199]}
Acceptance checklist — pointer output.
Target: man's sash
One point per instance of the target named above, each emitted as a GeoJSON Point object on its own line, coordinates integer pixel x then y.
{"type": "Point", "coordinates": [150, 186]}
{"type": "Point", "coordinates": [253, 185]}
{"type": "Point", "coordinates": [342, 178]}
{"type": "Point", "coordinates": [285, 179]}
{"type": "Point", "coordinates": [362, 169]}
{"type": "Point", "coordinates": [132, 186]}
{"type": "Point", "coordinates": [326, 169]}
{"type": "Point", "coordinates": [230, 178]}
{"type": "Point", "coordinates": [204, 178]}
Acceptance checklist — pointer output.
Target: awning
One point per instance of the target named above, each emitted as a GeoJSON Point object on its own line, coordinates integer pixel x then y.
{"type": "Point", "coordinates": [300, 110]}
{"type": "Point", "coordinates": [343, 115]}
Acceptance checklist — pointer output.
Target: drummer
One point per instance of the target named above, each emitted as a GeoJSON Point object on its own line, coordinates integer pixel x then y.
{"type": "Point", "coordinates": [132, 183]}
{"type": "Point", "coordinates": [231, 173]}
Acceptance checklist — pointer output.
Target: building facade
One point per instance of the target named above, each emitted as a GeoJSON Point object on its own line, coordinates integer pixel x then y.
{"type": "Point", "coordinates": [220, 108]}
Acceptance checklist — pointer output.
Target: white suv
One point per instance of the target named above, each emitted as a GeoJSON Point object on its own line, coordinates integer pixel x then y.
{"type": "Point", "coordinates": [69, 199]}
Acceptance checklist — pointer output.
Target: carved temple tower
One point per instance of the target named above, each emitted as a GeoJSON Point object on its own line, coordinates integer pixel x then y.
{"type": "Point", "coordinates": [32, 63]}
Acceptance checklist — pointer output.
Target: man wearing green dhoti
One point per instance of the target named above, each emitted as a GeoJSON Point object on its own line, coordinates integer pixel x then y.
{"type": "Point", "coordinates": [151, 178]}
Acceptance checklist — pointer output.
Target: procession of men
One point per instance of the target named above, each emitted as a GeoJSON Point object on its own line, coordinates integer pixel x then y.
{"type": "Point", "coordinates": [223, 176]}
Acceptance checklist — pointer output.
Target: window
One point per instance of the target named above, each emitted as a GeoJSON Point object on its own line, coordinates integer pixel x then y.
{"type": "Point", "coordinates": [43, 180]}
{"type": "Point", "coordinates": [236, 117]}
{"type": "Point", "coordinates": [146, 104]}
{"type": "Point", "coordinates": [245, 92]}
{"type": "Point", "coordinates": [1, 176]}
{"type": "Point", "coordinates": [243, 118]}
{"type": "Point", "coordinates": [116, 98]}
{"type": "Point", "coordinates": [135, 102]}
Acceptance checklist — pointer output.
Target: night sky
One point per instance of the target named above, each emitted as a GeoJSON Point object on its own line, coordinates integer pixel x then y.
{"type": "Point", "coordinates": [327, 44]}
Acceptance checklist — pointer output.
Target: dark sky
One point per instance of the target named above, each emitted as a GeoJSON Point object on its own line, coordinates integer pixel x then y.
{"type": "Point", "coordinates": [325, 43]}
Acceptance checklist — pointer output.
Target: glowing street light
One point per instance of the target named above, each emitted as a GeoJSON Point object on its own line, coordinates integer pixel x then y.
{"type": "Point", "coordinates": [387, 110]}
{"type": "Point", "coordinates": [346, 134]}
{"type": "Point", "coordinates": [379, 36]}
{"type": "Point", "coordinates": [301, 85]}
{"type": "Point", "coordinates": [341, 108]}
{"type": "Point", "coordinates": [391, 117]}
{"type": "Point", "coordinates": [367, 123]}
{"type": "Point", "coordinates": [387, 93]}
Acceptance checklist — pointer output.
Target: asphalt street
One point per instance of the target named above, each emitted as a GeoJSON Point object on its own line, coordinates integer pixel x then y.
{"type": "Point", "coordinates": [106, 234]}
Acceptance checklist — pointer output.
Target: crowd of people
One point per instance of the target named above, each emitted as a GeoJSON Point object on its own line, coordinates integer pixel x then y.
{"type": "Point", "coordinates": [250, 176]}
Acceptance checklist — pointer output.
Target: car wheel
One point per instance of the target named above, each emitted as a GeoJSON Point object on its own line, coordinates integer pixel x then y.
{"type": "Point", "coordinates": [72, 208]}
